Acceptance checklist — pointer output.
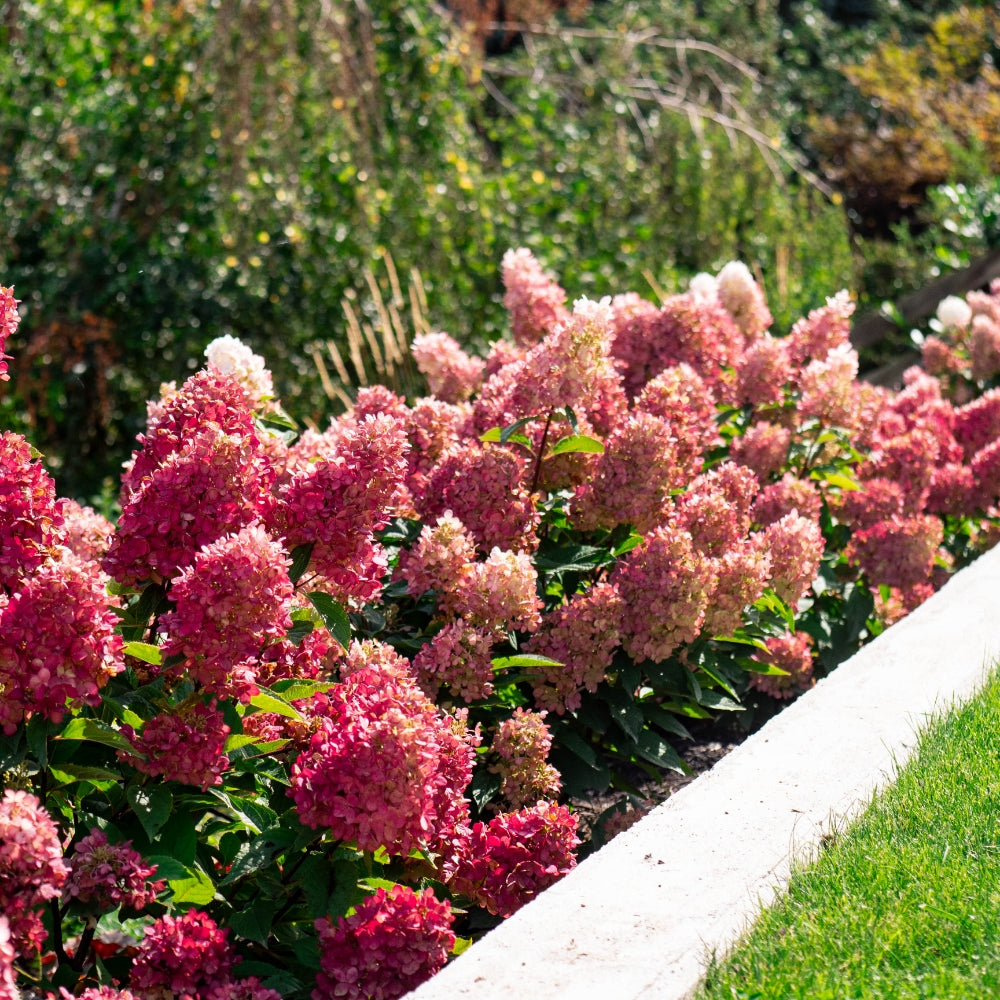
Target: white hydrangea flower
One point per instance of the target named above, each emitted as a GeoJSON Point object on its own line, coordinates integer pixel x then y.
{"type": "Point", "coordinates": [230, 356]}
{"type": "Point", "coordinates": [703, 287]}
{"type": "Point", "coordinates": [598, 313]}
{"type": "Point", "coordinates": [954, 313]}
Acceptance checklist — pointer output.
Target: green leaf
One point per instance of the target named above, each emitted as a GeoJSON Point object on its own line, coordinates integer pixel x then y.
{"type": "Point", "coordinates": [237, 740]}
{"type": "Point", "coordinates": [254, 922]}
{"type": "Point", "coordinates": [253, 815]}
{"type": "Point", "coordinates": [68, 773]}
{"type": "Point", "coordinates": [251, 858]}
{"type": "Point", "coordinates": [301, 555]}
{"type": "Point", "coordinates": [658, 751]}
{"type": "Point", "coordinates": [313, 876]}
{"type": "Point", "coordinates": [195, 888]}
{"type": "Point", "coordinates": [628, 545]}
{"type": "Point", "coordinates": [294, 690]}
{"type": "Point", "coordinates": [144, 651]}
{"type": "Point", "coordinates": [151, 805]}
{"type": "Point", "coordinates": [270, 703]}
{"type": "Point", "coordinates": [523, 660]}
{"type": "Point", "coordinates": [492, 435]}
{"type": "Point", "coordinates": [93, 731]}
{"type": "Point", "coordinates": [836, 479]}
{"type": "Point", "coordinates": [577, 443]}
{"type": "Point", "coordinates": [484, 787]}
{"type": "Point", "coordinates": [334, 616]}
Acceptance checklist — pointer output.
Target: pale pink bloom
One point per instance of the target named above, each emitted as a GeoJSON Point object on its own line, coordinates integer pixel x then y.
{"type": "Point", "coordinates": [432, 428]}
{"type": "Point", "coordinates": [32, 869]}
{"type": "Point", "coordinates": [624, 818]}
{"type": "Point", "coordinates": [878, 499]}
{"type": "Point", "coordinates": [9, 320]}
{"type": "Point", "coordinates": [373, 654]}
{"type": "Point", "coordinates": [440, 559]}
{"type": "Point", "coordinates": [742, 572]}
{"type": "Point", "coordinates": [8, 956]}
{"type": "Point", "coordinates": [899, 552]}
{"type": "Point", "coordinates": [581, 637]}
{"type": "Point", "coordinates": [984, 348]}
{"type": "Point", "coordinates": [30, 517]}
{"type": "Point", "coordinates": [233, 599]}
{"type": "Point", "coordinates": [535, 302]}
{"type": "Point", "coordinates": [85, 532]}
{"type": "Point", "coordinates": [188, 956]}
{"type": "Point", "coordinates": [500, 593]}
{"type": "Point", "coordinates": [107, 875]}
{"type": "Point", "coordinates": [230, 356]}
{"type": "Point", "coordinates": [795, 544]}
{"type": "Point", "coordinates": [371, 400]}
{"type": "Point", "coordinates": [486, 488]}
{"type": "Point", "coordinates": [787, 494]}
{"type": "Point", "coordinates": [823, 330]}
{"type": "Point", "coordinates": [954, 313]}
{"type": "Point", "coordinates": [633, 479]}
{"type": "Point", "coordinates": [387, 947]}
{"type": "Point", "coordinates": [791, 653]}
{"type": "Point", "coordinates": [207, 398]}
{"type": "Point", "coordinates": [186, 745]}
{"type": "Point", "coordinates": [452, 375]}
{"type": "Point", "coordinates": [715, 509]}
{"type": "Point", "coordinates": [372, 775]}
{"type": "Point", "coordinates": [58, 642]}
{"type": "Point", "coordinates": [215, 484]}
{"type": "Point", "coordinates": [763, 447]}
{"type": "Point", "coordinates": [501, 354]}
{"type": "Point", "coordinates": [521, 744]}
{"type": "Point", "coordinates": [827, 389]}
{"type": "Point", "coordinates": [506, 863]}
{"type": "Point", "coordinates": [763, 372]}
{"type": "Point", "coordinates": [703, 287]}
{"type": "Point", "coordinates": [680, 396]}
{"type": "Point", "coordinates": [460, 657]}
{"type": "Point", "coordinates": [665, 585]}
{"type": "Point", "coordinates": [743, 299]}
{"type": "Point", "coordinates": [633, 341]}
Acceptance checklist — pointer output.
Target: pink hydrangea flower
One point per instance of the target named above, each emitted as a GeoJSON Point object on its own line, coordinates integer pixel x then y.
{"type": "Point", "coordinates": [633, 479]}
{"type": "Point", "coordinates": [952, 490]}
{"type": "Point", "coordinates": [85, 531]}
{"type": "Point", "coordinates": [763, 371]}
{"type": "Point", "coordinates": [939, 358]}
{"type": "Point", "coordinates": [9, 320]}
{"type": "Point", "coordinates": [432, 428]}
{"type": "Point", "coordinates": [791, 653]}
{"type": "Point", "coordinates": [57, 642]}
{"type": "Point", "coordinates": [185, 745]}
{"type": "Point", "coordinates": [984, 348]}
{"type": "Point", "coordinates": [441, 557]}
{"type": "Point", "coordinates": [985, 468]}
{"type": "Point", "coordinates": [249, 988]}
{"type": "Point", "coordinates": [452, 375]}
{"type": "Point", "coordinates": [899, 552]}
{"type": "Point", "coordinates": [500, 592]}
{"type": "Point", "coordinates": [787, 494]}
{"type": "Point", "coordinates": [715, 509]}
{"type": "Point", "coordinates": [97, 993]}
{"type": "Point", "coordinates": [878, 499]}
{"type": "Point", "coordinates": [228, 355]}
{"type": "Point", "coordinates": [485, 488]}
{"type": "Point", "coordinates": [977, 424]}
{"type": "Point", "coordinates": [763, 448]}
{"type": "Point", "coordinates": [743, 299]}
{"type": "Point", "coordinates": [232, 600]}
{"type": "Point", "coordinates": [107, 875]}
{"type": "Point", "coordinates": [680, 396]}
{"type": "Point", "coordinates": [909, 460]}
{"type": "Point", "coordinates": [316, 656]}
{"type": "Point", "coordinates": [188, 955]}
{"type": "Point", "coordinates": [29, 515]}
{"type": "Point", "coordinates": [827, 388]}
{"type": "Point", "coordinates": [207, 397]}
{"type": "Point", "coordinates": [535, 302]}
{"type": "Point", "coordinates": [581, 637]}
{"type": "Point", "coordinates": [742, 572]}
{"type": "Point", "coordinates": [665, 585]}
{"type": "Point", "coordinates": [372, 774]}
{"type": "Point", "coordinates": [795, 544]}
{"type": "Point", "coordinates": [8, 956]}
{"type": "Point", "coordinates": [459, 656]}
{"type": "Point", "coordinates": [521, 745]}
{"type": "Point", "coordinates": [32, 869]}
{"type": "Point", "coordinates": [214, 484]}
{"type": "Point", "coordinates": [823, 330]}
{"type": "Point", "coordinates": [508, 861]}
{"type": "Point", "coordinates": [387, 947]}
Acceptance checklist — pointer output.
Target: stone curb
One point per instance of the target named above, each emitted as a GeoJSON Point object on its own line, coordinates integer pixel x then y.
{"type": "Point", "coordinates": [638, 919]}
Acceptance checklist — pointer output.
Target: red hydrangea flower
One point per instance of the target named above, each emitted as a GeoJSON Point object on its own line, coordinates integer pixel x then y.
{"type": "Point", "coordinates": [29, 514]}
{"type": "Point", "coordinates": [878, 500]}
{"type": "Point", "coordinates": [977, 424]}
{"type": "Point", "coordinates": [109, 875]}
{"type": "Point", "coordinates": [507, 862]}
{"type": "Point", "coordinates": [232, 600]}
{"type": "Point", "coordinates": [32, 869]}
{"type": "Point", "coordinates": [57, 642]}
{"type": "Point", "coordinates": [387, 947]}
{"type": "Point", "coordinates": [791, 653]}
{"type": "Point", "coordinates": [186, 745]}
{"type": "Point", "coordinates": [9, 320]}
{"type": "Point", "coordinates": [188, 955]}
{"type": "Point", "coordinates": [373, 772]}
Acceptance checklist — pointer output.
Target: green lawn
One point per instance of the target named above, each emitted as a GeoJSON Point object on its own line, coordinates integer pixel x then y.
{"type": "Point", "coordinates": [904, 903]}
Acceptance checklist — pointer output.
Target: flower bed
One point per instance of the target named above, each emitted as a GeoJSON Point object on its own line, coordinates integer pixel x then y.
{"type": "Point", "coordinates": [300, 722]}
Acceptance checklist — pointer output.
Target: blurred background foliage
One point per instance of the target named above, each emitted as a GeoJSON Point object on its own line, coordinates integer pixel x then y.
{"type": "Point", "coordinates": [174, 170]}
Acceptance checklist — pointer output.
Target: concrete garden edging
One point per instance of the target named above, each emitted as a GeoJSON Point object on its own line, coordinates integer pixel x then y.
{"type": "Point", "coordinates": [637, 920]}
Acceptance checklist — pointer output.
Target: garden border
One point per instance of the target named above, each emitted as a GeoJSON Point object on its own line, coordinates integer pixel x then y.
{"type": "Point", "coordinates": [638, 919]}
